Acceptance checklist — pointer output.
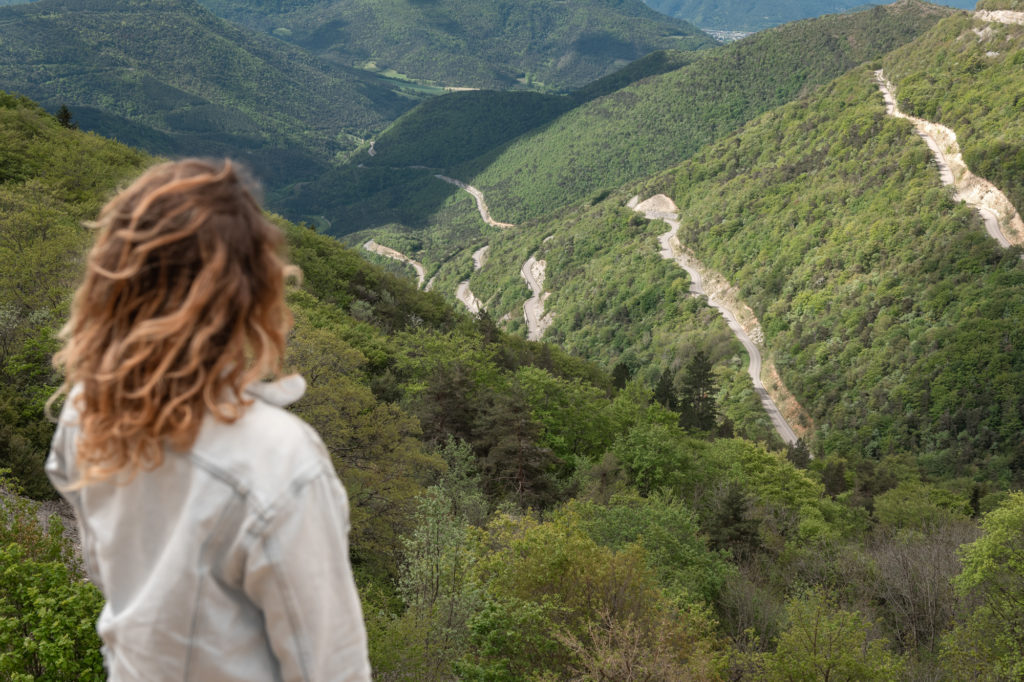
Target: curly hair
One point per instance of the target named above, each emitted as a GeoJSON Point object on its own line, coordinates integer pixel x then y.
{"type": "Point", "coordinates": [181, 307]}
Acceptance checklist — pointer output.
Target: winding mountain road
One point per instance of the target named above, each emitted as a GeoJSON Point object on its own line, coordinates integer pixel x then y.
{"type": "Point", "coordinates": [480, 203]}
{"type": "Point", "coordinates": [462, 292]}
{"type": "Point", "coordinates": [661, 207]}
{"type": "Point", "coordinates": [533, 310]}
{"type": "Point", "coordinates": [1002, 221]}
{"type": "Point", "coordinates": [388, 252]}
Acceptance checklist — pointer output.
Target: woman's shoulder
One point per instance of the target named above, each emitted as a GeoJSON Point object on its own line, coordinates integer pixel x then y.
{"type": "Point", "coordinates": [267, 449]}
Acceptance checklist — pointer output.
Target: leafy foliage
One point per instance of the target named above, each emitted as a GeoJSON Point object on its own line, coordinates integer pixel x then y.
{"type": "Point", "coordinates": [655, 123]}
{"type": "Point", "coordinates": [991, 641]}
{"type": "Point", "coordinates": [47, 613]}
{"type": "Point", "coordinates": [866, 278]}
{"type": "Point", "coordinates": [965, 74]}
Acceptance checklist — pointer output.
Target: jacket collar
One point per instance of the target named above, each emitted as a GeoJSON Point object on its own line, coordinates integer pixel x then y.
{"type": "Point", "coordinates": [281, 393]}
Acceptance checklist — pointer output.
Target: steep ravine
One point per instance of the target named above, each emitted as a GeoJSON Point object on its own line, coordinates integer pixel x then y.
{"type": "Point", "coordinates": [739, 317]}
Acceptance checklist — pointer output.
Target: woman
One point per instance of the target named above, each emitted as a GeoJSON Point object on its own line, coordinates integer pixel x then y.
{"type": "Point", "coordinates": [211, 518]}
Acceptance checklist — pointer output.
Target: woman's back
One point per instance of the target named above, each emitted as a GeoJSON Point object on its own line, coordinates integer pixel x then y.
{"type": "Point", "coordinates": [221, 558]}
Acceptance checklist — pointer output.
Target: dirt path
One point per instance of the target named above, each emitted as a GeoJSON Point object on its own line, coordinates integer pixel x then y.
{"type": "Point", "coordinates": [387, 252]}
{"type": "Point", "coordinates": [1002, 221]}
{"type": "Point", "coordinates": [480, 257]}
{"type": "Point", "coordinates": [533, 310]}
{"type": "Point", "coordinates": [1000, 16]}
{"type": "Point", "coordinates": [738, 316]}
{"type": "Point", "coordinates": [480, 203]}
{"type": "Point", "coordinates": [462, 292]}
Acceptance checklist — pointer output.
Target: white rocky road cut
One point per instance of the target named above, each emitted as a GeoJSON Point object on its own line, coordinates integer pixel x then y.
{"type": "Point", "coordinates": [462, 292]}
{"type": "Point", "coordinates": [533, 310]}
{"type": "Point", "coordinates": [720, 296]}
{"type": "Point", "coordinates": [1000, 16]}
{"type": "Point", "coordinates": [481, 205]}
{"type": "Point", "coordinates": [1002, 221]}
{"type": "Point", "coordinates": [388, 252]}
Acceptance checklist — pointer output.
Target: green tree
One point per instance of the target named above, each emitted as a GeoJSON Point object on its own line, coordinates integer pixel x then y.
{"type": "Point", "coordinates": [664, 392]}
{"type": "Point", "coordinates": [47, 621]}
{"type": "Point", "coordinates": [990, 642]}
{"type": "Point", "coordinates": [621, 374]}
{"type": "Point", "coordinates": [515, 465]}
{"type": "Point", "coordinates": [697, 406]}
{"type": "Point", "coordinates": [799, 454]}
{"type": "Point", "coordinates": [826, 643]}
{"type": "Point", "coordinates": [64, 117]}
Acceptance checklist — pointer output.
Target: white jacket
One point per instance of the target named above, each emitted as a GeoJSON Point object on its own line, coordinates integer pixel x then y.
{"type": "Point", "coordinates": [229, 562]}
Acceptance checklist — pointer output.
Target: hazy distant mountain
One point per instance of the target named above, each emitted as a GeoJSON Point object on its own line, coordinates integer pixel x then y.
{"type": "Point", "coordinates": [472, 43]}
{"type": "Point", "coordinates": [743, 15]}
{"type": "Point", "coordinates": [169, 76]}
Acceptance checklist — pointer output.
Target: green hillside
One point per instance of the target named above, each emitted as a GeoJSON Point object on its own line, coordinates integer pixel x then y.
{"type": "Point", "coordinates": [736, 15]}
{"type": "Point", "coordinates": [607, 139]}
{"type": "Point", "coordinates": [172, 78]}
{"type": "Point", "coordinates": [51, 179]}
{"type": "Point", "coordinates": [516, 512]}
{"type": "Point", "coordinates": [891, 314]}
{"type": "Point", "coordinates": [656, 123]}
{"type": "Point", "coordinates": [439, 134]}
{"type": "Point", "coordinates": [966, 74]}
{"type": "Point", "coordinates": [478, 43]}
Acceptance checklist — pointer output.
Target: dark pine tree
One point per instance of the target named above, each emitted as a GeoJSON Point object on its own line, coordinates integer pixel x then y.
{"type": "Point", "coordinates": [834, 477]}
{"type": "Point", "coordinates": [621, 374]}
{"type": "Point", "coordinates": [733, 527]}
{"type": "Point", "coordinates": [514, 464]}
{"type": "Point", "coordinates": [697, 406]}
{"type": "Point", "coordinates": [64, 117]}
{"type": "Point", "coordinates": [799, 454]}
{"type": "Point", "coordinates": [664, 393]}
{"type": "Point", "coordinates": [448, 406]}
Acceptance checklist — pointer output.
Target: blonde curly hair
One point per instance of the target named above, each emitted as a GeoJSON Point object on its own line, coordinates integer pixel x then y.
{"type": "Point", "coordinates": [182, 306]}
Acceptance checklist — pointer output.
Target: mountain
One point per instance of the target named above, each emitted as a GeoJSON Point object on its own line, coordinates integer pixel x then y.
{"type": "Point", "coordinates": [603, 139]}
{"type": "Point", "coordinates": [169, 76]}
{"type": "Point", "coordinates": [516, 512]}
{"type": "Point", "coordinates": [891, 315]}
{"type": "Point", "coordinates": [472, 43]}
{"type": "Point", "coordinates": [965, 75]}
{"type": "Point", "coordinates": [657, 122]}
{"type": "Point", "coordinates": [734, 15]}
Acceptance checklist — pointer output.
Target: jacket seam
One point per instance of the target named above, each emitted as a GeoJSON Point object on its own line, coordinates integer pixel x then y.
{"type": "Point", "coordinates": [301, 650]}
{"type": "Point", "coordinates": [203, 575]}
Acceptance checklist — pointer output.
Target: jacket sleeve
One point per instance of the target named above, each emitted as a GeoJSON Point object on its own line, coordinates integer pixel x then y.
{"type": "Point", "coordinates": [298, 573]}
{"type": "Point", "coordinates": [61, 470]}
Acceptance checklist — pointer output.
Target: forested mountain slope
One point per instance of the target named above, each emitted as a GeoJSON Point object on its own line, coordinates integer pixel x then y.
{"type": "Point", "coordinates": [656, 123]}
{"type": "Point", "coordinates": [966, 74]}
{"type": "Point", "coordinates": [892, 315]}
{"type": "Point", "coordinates": [407, 393]}
{"type": "Point", "coordinates": [737, 15]}
{"type": "Point", "coordinates": [473, 43]}
{"type": "Point", "coordinates": [169, 76]}
{"type": "Point", "coordinates": [629, 134]}
{"type": "Point", "coordinates": [519, 514]}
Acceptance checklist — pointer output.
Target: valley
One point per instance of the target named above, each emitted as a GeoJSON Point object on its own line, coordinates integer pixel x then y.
{"type": "Point", "coordinates": [709, 367]}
